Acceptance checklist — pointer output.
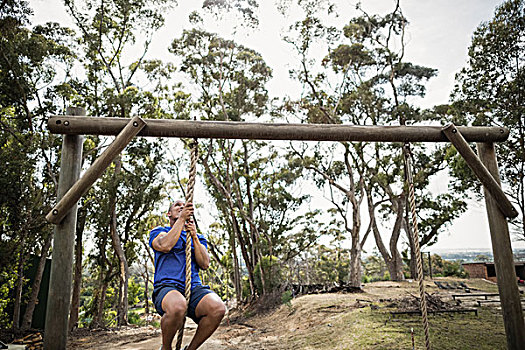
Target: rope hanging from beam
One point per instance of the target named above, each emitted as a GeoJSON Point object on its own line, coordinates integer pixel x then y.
{"type": "Point", "coordinates": [189, 199]}
{"type": "Point", "coordinates": [415, 237]}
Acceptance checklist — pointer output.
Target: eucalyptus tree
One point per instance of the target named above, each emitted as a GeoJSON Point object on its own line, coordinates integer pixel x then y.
{"type": "Point", "coordinates": [139, 189]}
{"type": "Point", "coordinates": [390, 87]}
{"type": "Point", "coordinates": [249, 184]}
{"type": "Point", "coordinates": [34, 62]}
{"type": "Point", "coordinates": [490, 90]}
{"type": "Point", "coordinates": [364, 80]}
{"type": "Point", "coordinates": [115, 72]}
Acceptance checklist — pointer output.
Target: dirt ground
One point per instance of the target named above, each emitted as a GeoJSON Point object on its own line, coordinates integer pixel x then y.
{"type": "Point", "coordinates": [287, 325]}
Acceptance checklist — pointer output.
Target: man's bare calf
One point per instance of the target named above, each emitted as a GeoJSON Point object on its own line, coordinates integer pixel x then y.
{"type": "Point", "coordinates": [210, 312]}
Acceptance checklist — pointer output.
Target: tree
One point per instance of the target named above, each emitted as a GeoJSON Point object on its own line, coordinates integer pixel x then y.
{"type": "Point", "coordinates": [364, 80]}
{"type": "Point", "coordinates": [109, 32]}
{"type": "Point", "coordinates": [490, 91]}
{"type": "Point", "coordinates": [246, 179]}
{"type": "Point", "coordinates": [30, 89]}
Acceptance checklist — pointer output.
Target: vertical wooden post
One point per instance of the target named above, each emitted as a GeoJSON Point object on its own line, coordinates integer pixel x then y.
{"type": "Point", "coordinates": [503, 258]}
{"type": "Point", "coordinates": [59, 298]}
{"type": "Point", "coordinates": [430, 264]}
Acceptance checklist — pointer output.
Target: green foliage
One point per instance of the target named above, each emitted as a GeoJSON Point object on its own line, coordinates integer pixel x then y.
{"type": "Point", "coordinates": [6, 287]}
{"type": "Point", "coordinates": [286, 298]}
{"type": "Point", "coordinates": [246, 9]}
{"type": "Point", "coordinates": [30, 90]}
{"type": "Point", "coordinates": [453, 268]}
{"type": "Point", "coordinates": [210, 61]}
{"type": "Point", "coordinates": [332, 265]}
{"type": "Point", "coordinates": [135, 292]}
{"type": "Point", "coordinates": [134, 318]}
{"type": "Point", "coordinates": [375, 269]}
{"type": "Point", "coordinates": [320, 264]}
{"type": "Point", "coordinates": [490, 90]}
{"type": "Point", "coordinates": [217, 278]}
{"type": "Point", "coordinates": [444, 268]}
{"type": "Point", "coordinates": [110, 318]}
{"type": "Point", "coordinates": [273, 275]}
{"type": "Point", "coordinates": [245, 286]}
{"type": "Point", "coordinates": [482, 258]}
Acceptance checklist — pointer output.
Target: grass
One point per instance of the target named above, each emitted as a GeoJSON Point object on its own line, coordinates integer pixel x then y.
{"type": "Point", "coordinates": [376, 329]}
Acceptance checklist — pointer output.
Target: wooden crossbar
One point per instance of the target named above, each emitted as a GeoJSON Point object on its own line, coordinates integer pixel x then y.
{"type": "Point", "coordinates": [71, 125]}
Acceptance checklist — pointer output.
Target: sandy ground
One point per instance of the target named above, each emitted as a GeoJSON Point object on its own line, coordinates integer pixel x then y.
{"type": "Point", "coordinates": [260, 332]}
{"type": "Point", "coordinates": [235, 336]}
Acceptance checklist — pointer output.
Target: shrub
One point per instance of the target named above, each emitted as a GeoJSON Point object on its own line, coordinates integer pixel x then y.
{"type": "Point", "coordinates": [134, 318]}
{"type": "Point", "coordinates": [286, 298]}
{"type": "Point", "coordinates": [454, 269]}
{"type": "Point", "coordinates": [272, 274]}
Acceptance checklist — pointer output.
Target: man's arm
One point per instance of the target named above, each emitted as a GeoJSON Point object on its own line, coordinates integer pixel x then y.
{"type": "Point", "coordinates": [201, 253]}
{"type": "Point", "coordinates": [164, 242]}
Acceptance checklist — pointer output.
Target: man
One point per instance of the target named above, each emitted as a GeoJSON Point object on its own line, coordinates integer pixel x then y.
{"type": "Point", "coordinates": [205, 308]}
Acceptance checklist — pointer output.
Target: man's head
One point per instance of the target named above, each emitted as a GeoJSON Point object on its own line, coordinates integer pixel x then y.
{"type": "Point", "coordinates": [175, 209]}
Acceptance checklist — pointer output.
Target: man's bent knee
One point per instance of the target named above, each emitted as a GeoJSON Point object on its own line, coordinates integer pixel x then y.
{"type": "Point", "coordinates": [177, 310]}
{"type": "Point", "coordinates": [217, 310]}
{"type": "Point", "coordinates": [174, 305]}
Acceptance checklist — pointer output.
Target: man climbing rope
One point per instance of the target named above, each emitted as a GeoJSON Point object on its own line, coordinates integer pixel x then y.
{"type": "Point", "coordinates": [205, 307]}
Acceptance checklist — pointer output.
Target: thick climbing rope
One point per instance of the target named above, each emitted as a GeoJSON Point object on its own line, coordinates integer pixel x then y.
{"type": "Point", "coordinates": [189, 199]}
{"type": "Point", "coordinates": [415, 238]}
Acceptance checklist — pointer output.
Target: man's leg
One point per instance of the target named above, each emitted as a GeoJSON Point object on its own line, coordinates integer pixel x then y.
{"type": "Point", "coordinates": [174, 307]}
{"type": "Point", "coordinates": [210, 310]}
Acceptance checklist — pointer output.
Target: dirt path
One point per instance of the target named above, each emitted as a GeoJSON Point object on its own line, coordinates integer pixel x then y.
{"type": "Point", "coordinates": [321, 321]}
{"type": "Point", "coordinates": [260, 332]}
{"type": "Point", "coordinates": [233, 337]}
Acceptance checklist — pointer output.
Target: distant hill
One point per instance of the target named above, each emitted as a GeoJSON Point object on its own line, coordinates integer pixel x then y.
{"type": "Point", "coordinates": [471, 255]}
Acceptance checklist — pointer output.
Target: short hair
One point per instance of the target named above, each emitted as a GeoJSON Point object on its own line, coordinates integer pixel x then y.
{"type": "Point", "coordinates": [173, 203]}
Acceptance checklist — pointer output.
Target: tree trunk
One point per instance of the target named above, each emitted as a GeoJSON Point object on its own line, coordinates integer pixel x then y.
{"type": "Point", "coordinates": [146, 287]}
{"type": "Point", "coordinates": [355, 263]}
{"type": "Point", "coordinates": [19, 285]}
{"type": "Point", "coordinates": [249, 265]}
{"type": "Point", "coordinates": [35, 288]}
{"type": "Point", "coordinates": [230, 210]}
{"type": "Point", "coordinates": [100, 299]}
{"type": "Point", "coordinates": [395, 268]}
{"type": "Point", "coordinates": [357, 245]}
{"type": "Point", "coordinates": [122, 309]}
{"type": "Point", "coordinates": [77, 279]}
{"type": "Point", "coordinates": [236, 271]}
{"type": "Point", "coordinates": [393, 260]}
{"type": "Point", "coordinates": [256, 251]}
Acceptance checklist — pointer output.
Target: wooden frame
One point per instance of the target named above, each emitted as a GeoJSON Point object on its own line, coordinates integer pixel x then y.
{"type": "Point", "coordinates": [71, 125]}
{"type": "Point", "coordinates": [485, 167]}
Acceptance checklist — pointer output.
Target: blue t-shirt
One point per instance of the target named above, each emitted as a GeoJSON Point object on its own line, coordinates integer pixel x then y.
{"type": "Point", "coordinates": [171, 267]}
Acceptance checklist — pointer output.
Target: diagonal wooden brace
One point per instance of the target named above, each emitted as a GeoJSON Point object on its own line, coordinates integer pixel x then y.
{"type": "Point", "coordinates": [484, 176]}
{"type": "Point", "coordinates": [91, 175]}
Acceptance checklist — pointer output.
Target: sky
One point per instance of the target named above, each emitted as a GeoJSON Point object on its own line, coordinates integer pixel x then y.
{"type": "Point", "coordinates": [438, 36]}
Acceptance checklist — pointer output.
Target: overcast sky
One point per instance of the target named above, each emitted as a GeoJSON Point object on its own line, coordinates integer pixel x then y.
{"type": "Point", "coordinates": [439, 34]}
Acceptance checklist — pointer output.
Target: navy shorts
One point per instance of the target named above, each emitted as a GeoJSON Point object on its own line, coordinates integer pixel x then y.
{"type": "Point", "coordinates": [197, 293]}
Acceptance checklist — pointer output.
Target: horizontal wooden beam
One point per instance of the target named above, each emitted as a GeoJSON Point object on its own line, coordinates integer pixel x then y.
{"type": "Point", "coordinates": [484, 176]}
{"type": "Point", "coordinates": [266, 131]}
{"type": "Point", "coordinates": [68, 201]}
